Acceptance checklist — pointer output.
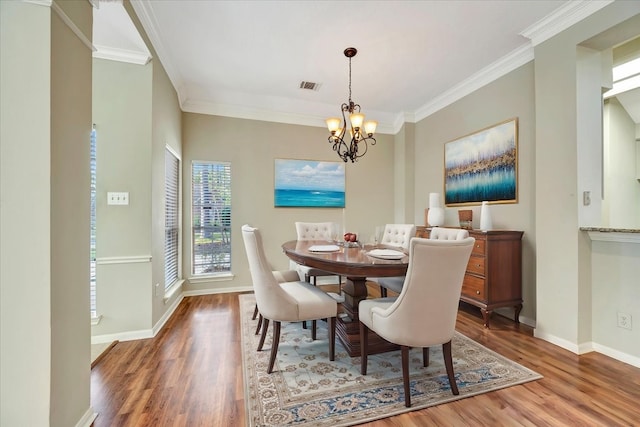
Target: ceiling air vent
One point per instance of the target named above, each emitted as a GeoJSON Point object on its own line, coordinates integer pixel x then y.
{"type": "Point", "coordinates": [309, 85]}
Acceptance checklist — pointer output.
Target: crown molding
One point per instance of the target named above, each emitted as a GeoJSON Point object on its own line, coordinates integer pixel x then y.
{"type": "Point", "coordinates": [150, 25]}
{"type": "Point", "coordinates": [401, 119]}
{"type": "Point", "coordinates": [564, 17]}
{"type": "Point", "coordinates": [561, 19]}
{"type": "Point", "coordinates": [121, 55]}
{"type": "Point", "coordinates": [46, 3]}
{"type": "Point", "coordinates": [504, 65]}
{"type": "Point", "coordinates": [72, 26]}
{"type": "Point", "coordinates": [251, 113]}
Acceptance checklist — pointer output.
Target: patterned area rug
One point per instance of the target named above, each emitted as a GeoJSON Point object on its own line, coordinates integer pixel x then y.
{"type": "Point", "coordinates": [306, 389]}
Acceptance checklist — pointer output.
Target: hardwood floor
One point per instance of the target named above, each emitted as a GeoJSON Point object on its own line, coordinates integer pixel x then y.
{"type": "Point", "coordinates": [190, 374]}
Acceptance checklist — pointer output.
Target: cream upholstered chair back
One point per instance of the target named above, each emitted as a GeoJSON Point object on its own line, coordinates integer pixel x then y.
{"type": "Point", "coordinates": [272, 301]}
{"type": "Point", "coordinates": [440, 233]}
{"type": "Point", "coordinates": [424, 314]}
{"type": "Point", "coordinates": [314, 230]}
{"type": "Point", "coordinates": [398, 235]}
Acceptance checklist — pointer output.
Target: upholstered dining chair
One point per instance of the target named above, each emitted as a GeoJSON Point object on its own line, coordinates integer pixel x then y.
{"type": "Point", "coordinates": [398, 235]}
{"type": "Point", "coordinates": [314, 231]}
{"type": "Point", "coordinates": [280, 276]}
{"type": "Point", "coordinates": [437, 233]}
{"type": "Point", "coordinates": [286, 301]}
{"type": "Point", "coordinates": [424, 314]}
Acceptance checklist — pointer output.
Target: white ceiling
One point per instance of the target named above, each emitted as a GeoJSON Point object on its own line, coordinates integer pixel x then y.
{"type": "Point", "coordinates": [247, 58]}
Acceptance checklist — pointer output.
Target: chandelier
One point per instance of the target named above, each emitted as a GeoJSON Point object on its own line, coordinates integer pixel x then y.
{"type": "Point", "coordinates": [360, 132]}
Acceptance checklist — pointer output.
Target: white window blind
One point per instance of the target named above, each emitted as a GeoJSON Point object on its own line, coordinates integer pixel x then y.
{"type": "Point", "coordinates": [92, 222]}
{"type": "Point", "coordinates": [211, 217]}
{"type": "Point", "coordinates": [171, 218]}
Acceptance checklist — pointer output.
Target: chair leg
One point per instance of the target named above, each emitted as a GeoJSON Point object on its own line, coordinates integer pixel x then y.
{"type": "Point", "coordinates": [448, 362]}
{"type": "Point", "coordinates": [332, 339]}
{"type": "Point", "coordinates": [274, 345]}
{"type": "Point", "coordinates": [405, 375]}
{"type": "Point", "coordinates": [259, 324]}
{"type": "Point", "coordinates": [255, 312]}
{"type": "Point", "coordinates": [313, 330]}
{"type": "Point", "coordinates": [425, 356]}
{"type": "Point", "coordinates": [383, 292]}
{"type": "Point", "coordinates": [265, 326]}
{"type": "Point", "coordinates": [364, 343]}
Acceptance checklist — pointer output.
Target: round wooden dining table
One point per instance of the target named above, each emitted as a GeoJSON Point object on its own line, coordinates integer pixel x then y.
{"type": "Point", "coordinates": [356, 265]}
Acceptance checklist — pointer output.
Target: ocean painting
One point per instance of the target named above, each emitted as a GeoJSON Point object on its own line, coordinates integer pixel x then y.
{"type": "Point", "coordinates": [483, 166]}
{"type": "Point", "coordinates": [309, 184]}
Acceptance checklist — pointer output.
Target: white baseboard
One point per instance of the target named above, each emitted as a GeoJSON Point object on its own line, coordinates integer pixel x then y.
{"type": "Point", "coordinates": [618, 355]}
{"type": "Point", "coordinates": [528, 321]}
{"type": "Point", "coordinates": [560, 342]}
{"type": "Point", "coordinates": [150, 333]}
{"type": "Point", "coordinates": [140, 334]}
{"type": "Point", "coordinates": [194, 293]}
{"type": "Point", "coordinates": [589, 347]}
{"type": "Point", "coordinates": [167, 314]}
{"type": "Point", "coordinates": [87, 419]}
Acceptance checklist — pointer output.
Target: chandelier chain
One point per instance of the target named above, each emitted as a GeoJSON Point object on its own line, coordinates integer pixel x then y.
{"type": "Point", "coordinates": [361, 133]}
{"type": "Point", "coordinates": [350, 102]}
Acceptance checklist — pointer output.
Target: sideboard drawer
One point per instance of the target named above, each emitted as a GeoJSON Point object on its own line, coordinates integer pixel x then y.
{"type": "Point", "coordinates": [476, 265]}
{"type": "Point", "coordinates": [478, 247]}
{"type": "Point", "coordinates": [473, 287]}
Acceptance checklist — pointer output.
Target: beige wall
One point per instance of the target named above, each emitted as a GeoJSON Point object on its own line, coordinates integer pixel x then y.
{"type": "Point", "coordinates": [137, 115]}
{"type": "Point", "coordinates": [46, 122]}
{"type": "Point", "coordinates": [167, 132]}
{"type": "Point", "coordinates": [25, 372]}
{"type": "Point", "coordinates": [508, 97]}
{"type": "Point", "coordinates": [122, 115]}
{"type": "Point", "coordinates": [564, 289]}
{"type": "Point", "coordinates": [70, 184]}
{"type": "Point", "coordinates": [404, 175]}
{"type": "Point", "coordinates": [251, 146]}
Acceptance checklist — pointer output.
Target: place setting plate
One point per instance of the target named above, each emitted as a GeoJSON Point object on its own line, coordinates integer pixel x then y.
{"type": "Point", "coordinates": [324, 248]}
{"type": "Point", "coordinates": [386, 254]}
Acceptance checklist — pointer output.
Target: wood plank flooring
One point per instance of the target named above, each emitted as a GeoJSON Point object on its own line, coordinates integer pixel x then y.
{"type": "Point", "coordinates": [190, 374]}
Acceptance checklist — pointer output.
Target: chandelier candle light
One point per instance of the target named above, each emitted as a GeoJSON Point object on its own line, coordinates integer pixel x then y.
{"type": "Point", "coordinates": [357, 147]}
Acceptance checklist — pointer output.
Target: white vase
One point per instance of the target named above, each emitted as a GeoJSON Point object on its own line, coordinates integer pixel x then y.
{"type": "Point", "coordinates": [435, 217]}
{"type": "Point", "coordinates": [434, 200]}
{"type": "Point", "coordinates": [485, 217]}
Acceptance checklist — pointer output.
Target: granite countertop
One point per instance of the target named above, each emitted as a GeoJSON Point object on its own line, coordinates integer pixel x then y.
{"type": "Point", "coordinates": [608, 234]}
{"type": "Point", "coordinates": [611, 230]}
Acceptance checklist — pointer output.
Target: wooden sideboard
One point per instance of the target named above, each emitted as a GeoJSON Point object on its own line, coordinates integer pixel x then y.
{"type": "Point", "coordinates": [494, 273]}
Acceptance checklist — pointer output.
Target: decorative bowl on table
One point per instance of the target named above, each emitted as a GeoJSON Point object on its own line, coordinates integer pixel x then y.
{"type": "Point", "coordinates": [350, 240]}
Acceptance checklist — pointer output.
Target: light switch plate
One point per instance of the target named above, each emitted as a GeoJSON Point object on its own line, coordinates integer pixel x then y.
{"type": "Point", "coordinates": [117, 198]}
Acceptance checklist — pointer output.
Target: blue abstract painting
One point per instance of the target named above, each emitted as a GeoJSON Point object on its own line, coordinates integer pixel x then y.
{"type": "Point", "coordinates": [309, 183]}
{"type": "Point", "coordinates": [483, 166]}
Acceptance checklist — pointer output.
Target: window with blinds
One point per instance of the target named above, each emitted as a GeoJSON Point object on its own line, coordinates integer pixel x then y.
{"type": "Point", "coordinates": [92, 223]}
{"type": "Point", "coordinates": [171, 218]}
{"type": "Point", "coordinates": [211, 217]}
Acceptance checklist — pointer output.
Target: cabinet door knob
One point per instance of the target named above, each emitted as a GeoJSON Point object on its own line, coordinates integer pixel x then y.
{"type": "Point", "coordinates": [477, 292]}
{"type": "Point", "coordinates": [478, 265]}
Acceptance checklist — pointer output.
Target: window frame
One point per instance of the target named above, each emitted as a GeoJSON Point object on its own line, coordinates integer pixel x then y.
{"type": "Point", "coordinates": [93, 281]}
{"type": "Point", "coordinates": [171, 281]}
{"type": "Point", "coordinates": [225, 229]}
